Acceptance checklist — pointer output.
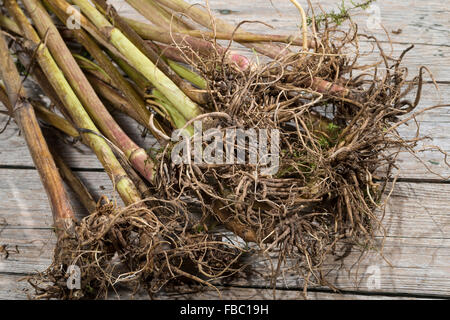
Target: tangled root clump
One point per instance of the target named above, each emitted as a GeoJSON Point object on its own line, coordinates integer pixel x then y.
{"type": "Point", "coordinates": [135, 246]}
{"type": "Point", "coordinates": [338, 146]}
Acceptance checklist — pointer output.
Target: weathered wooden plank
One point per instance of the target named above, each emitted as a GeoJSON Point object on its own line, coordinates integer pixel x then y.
{"type": "Point", "coordinates": [24, 201]}
{"type": "Point", "coordinates": [14, 152]}
{"type": "Point", "coordinates": [435, 123]}
{"type": "Point", "coordinates": [267, 294]}
{"type": "Point", "coordinates": [434, 58]}
{"type": "Point", "coordinates": [417, 220]}
{"type": "Point", "coordinates": [417, 224]}
{"type": "Point", "coordinates": [419, 21]}
{"type": "Point", "coordinates": [29, 250]}
{"type": "Point", "coordinates": [416, 265]}
{"type": "Point", "coordinates": [414, 210]}
{"type": "Point", "coordinates": [14, 287]}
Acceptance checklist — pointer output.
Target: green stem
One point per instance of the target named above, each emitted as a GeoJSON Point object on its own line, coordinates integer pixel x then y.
{"type": "Point", "coordinates": [140, 62]}
{"type": "Point", "coordinates": [90, 65]}
{"type": "Point", "coordinates": [81, 86]}
{"type": "Point", "coordinates": [22, 111]}
{"type": "Point", "coordinates": [135, 76]}
{"type": "Point", "coordinates": [187, 74]}
{"type": "Point", "coordinates": [55, 120]}
{"type": "Point", "coordinates": [203, 17]}
{"type": "Point", "coordinates": [123, 184]}
{"type": "Point", "coordinates": [117, 101]}
{"type": "Point", "coordinates": [148, 32]}
{"type": "Point", "coordinates": [145, 48]}
{"type": "Point", "coordinates": [156, 14]}
{"type": "Point", "coordinates": [107, 66]}
{"type": "Point", "coordinates": [271, 50]}
{"type": "Point", "coordinates": [177, 117]}
{"type": "Point", "coordinates": [8, 24]}
{"type": "Point", "coordinates": [39, 76]}
{"type": "Point", "coordinates": [200, 46]}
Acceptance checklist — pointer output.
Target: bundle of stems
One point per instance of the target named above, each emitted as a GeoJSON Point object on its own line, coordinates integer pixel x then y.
{"type": "Point", "coordinates": [71, 102]}
{"type": "Point", "coordinates": [132, 53]}
{"type": "Point", "coordinates": [15, 98]}
{"type": "Point", "coordinates": [79, 87]}
{"type": "Point", "coordinates": [166, 75]}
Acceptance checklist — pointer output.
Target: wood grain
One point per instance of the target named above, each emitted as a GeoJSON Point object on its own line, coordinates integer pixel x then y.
{"type": "Point", "coordinates": [429, 19]}
{"type": "Point", "coordinates": [421, 22]}
{"type": "Point", "coordinates": [25, 205]}
{"type": "Point", "coordinates": [417, 224]}
{"type": "Point", "coordinates": [416, 266]}
{"type": "Point", "coordinates": [417, 220]}
{"type": "Point", "coordinates": [415, 210]}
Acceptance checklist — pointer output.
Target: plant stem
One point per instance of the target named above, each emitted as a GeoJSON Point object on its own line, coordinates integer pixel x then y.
{"type": "Point", "coordinates": [9, 24]}
{"type": "Point", "coordinates": [147, 31]}
{"type": "Point", "coordinates": [93, 68]}
{"type": "Point", "coordinates": [187, 74]}
{"type": "Point", "coordinates": [180, 70]}
{"type": "Point", "coordinates": [135, 100]}
{"type": "Point", "coordinates": [140, 62]}
{"type": "Point", "coordinates": [156, 14]}
{"type": "Point", "coordinates": [201, 46]}
{"type": "Point", "coordinates": [4, 97]}
{"type": "Point", "coordinates": [138, 79]}
{"type": "Point", "coordinates": [174, 54]}
{"type": "Point", "coordinates": [62, 7]}
{"type": "Point", "coordinates": [67, 174]}
{"type": "Point", "coordinates": [39, 76]}
{"type": "Point", "coordinates": [55, 120]}
{"type": "Point", "coordinates": [177, 117]}
{"type": "Point", "coordinates": [75, 183]}
{"type": "Point", "coordinates": [187, 88]}
{"type": "Point", "coordinates": [78, 81]}
{"type": "Point", "coordinates": [268, 49]}
{"type": "Point", "coordinates": [123, 184]}
{"type": "Point", "coordinates": [23, 113]}
{"type": "Point", "coordinates": [304, 24]}
{"type": "Point", "coordinates": [117, 101]}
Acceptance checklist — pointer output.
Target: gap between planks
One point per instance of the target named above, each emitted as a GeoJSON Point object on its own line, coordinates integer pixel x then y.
{"type": "Point", "coordinates": [15, 289]}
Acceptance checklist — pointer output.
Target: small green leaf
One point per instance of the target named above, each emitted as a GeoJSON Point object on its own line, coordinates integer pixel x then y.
{"type": "Point", "coordinates": [332, 126]}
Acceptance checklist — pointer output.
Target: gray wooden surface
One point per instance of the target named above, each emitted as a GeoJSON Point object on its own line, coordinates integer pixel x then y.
{"type": "Point", "coordinates": [417, 222]}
